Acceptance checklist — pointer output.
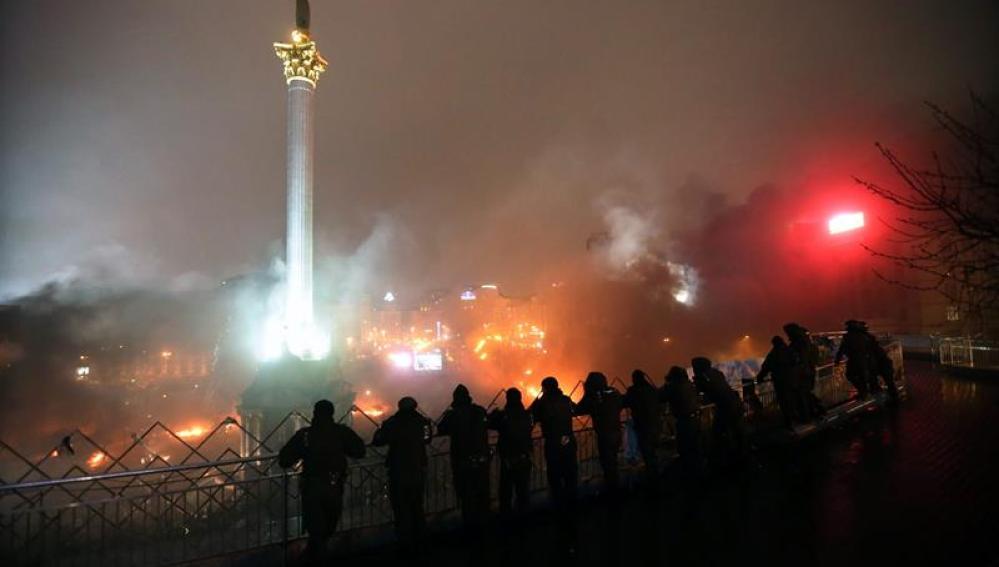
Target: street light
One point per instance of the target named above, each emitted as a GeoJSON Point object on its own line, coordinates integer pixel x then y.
{"type": "Point", "coordinates": [845, 222]}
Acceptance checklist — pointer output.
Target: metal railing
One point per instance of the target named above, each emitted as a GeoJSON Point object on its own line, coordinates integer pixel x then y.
{"type": "Point", "coordinates": [968, 352]}
{"type": "Point", "coordinates": [172, 514]}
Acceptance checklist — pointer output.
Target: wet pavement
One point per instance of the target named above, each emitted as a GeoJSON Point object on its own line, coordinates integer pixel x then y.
{"type": "Point", "coordinates": [914, 485]}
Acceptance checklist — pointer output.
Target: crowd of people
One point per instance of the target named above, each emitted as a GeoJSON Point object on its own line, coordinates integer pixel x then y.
{"type": "Point", "coordinates": [324, 446]}
{"type": "Point", "coordinates": [792, 366]}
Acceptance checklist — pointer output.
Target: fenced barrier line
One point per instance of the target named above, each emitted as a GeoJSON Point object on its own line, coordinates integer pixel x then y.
{"type": "Point", "coordinates": [193, 510]}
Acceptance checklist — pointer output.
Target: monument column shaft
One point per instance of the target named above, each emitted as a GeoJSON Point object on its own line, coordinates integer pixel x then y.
{"type": "Point", "coordinates": [301, 141]}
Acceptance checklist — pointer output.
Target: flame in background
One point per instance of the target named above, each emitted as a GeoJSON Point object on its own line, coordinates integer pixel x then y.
{"type": "Point", "coordinates": [96, 459]}
{"type": "Point", "coordinates": [370, 405]}
{"type": "Point", "coordinates": [192, 432]}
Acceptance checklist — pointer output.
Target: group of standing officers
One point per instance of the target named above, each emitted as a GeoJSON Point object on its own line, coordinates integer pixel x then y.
{"type": "Point", "coordinates": [324, 446]}
{"type": "Point", "coordinates": [792, 367]}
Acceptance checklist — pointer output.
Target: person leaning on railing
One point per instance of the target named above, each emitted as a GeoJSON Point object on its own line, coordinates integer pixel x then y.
{"type": "Point", "coordinates": [642, 399]}
{"type": "Point", "coordinates": [603, 404]}
{"type": "Point", "coordinates": [728, 425]}
{"type": "Point", "coordinates": [465, 424]}
{"type": "Point", "coordinates": [553, 410]}
{"type": "Point", "coordinates": [406, 434]}
{"type": "Point", "coordinates": [514, 426]}
{"type": "Point", "coordinates": [323, 448]}
{"type": "Point", "coordinates": [681, 396]}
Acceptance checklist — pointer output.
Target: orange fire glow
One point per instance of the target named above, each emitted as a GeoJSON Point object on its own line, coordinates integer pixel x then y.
{"type": "Point", "coordinates": [370, 405]}
{"type": "Point", "coordinates": [192, 432]}
{"type": "Point", "coordinates": [96, 459]}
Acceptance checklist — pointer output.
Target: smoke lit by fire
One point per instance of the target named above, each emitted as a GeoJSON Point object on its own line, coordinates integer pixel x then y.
{"type": "Point", "coordinates": [631, 297]}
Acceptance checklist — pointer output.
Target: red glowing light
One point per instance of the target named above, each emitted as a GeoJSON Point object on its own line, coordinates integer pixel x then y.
{"type": "Point", "coordinates": [845, 222]}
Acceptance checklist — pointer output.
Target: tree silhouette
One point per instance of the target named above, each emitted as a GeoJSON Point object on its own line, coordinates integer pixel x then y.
{"type": "Point", "coordinates": [946, 230]}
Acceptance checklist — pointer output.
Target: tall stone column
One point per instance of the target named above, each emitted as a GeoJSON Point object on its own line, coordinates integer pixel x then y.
{"type": "Point", "coordinates": [302, 66]}
{"type": "Point", "coordinates": [300, 174]}
{"type": "Point", "coordinates": [286, 384]}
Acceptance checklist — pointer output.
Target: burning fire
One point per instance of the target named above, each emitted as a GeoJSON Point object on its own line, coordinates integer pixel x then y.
{"type": "Point", "coordinates": [371, 406]}
{"type": "Point", "coordinates": [96, 459]}
{"type": "Point", "coordinates": [193, 432]}
{"type": "Point", "coordinates": [372, 411]}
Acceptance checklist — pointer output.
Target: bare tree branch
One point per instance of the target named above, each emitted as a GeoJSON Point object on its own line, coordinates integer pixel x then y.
{"type": "Point", "coordinates": [946, 228]}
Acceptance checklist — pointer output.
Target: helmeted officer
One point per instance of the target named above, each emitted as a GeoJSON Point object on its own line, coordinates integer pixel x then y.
{"type": "Point", "coordinates": [883, 366]}
{"type": "Point", "coordinates": [805, 371]}
{"type": "Point", "coordinates": [554, 410]}
{"type": "Point", "coordinates": [856, 347]}
{"type": "Point", "coordinates": [514, 425]}
{"type": "Point", "coordinates": [323, 448]}
{"type": "Point", "coordinates": [465, 423]}
{"type": "Point", "coordinates": [728, 422]}
{"type": "Point", "coordinates": [779, 365]}
{"type": "Point", "coordinates": [603, 404]}
{"type": "Point", "coordinates": [685, 408]}
{"type": "Point", "coordinates": [406, 433]}
{"type": "Point", "coordinates": [642, 399]}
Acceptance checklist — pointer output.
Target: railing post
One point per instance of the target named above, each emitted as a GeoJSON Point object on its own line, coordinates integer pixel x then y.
{"type": "Point", "coordinates": [284, 517]}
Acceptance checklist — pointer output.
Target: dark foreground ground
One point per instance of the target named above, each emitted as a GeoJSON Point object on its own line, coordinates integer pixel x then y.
{"type": "Point", "coordinates": [916, 485]}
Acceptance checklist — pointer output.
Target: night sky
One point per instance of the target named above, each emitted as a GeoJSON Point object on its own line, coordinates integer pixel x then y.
{"type": "Point", "coordinates": [456, 141]}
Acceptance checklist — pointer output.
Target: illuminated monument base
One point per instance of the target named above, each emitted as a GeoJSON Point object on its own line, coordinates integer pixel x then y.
{"type": "Point", "coordinates": [282, 388]}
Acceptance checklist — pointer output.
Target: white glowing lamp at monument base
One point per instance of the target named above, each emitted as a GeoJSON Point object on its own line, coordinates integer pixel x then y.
{"type": "Point", "coordinates": [304, 340]}
{"type": "Point", "coordinates": [845, 222]}
{"type": "Point", "coordinates": [308, 342]}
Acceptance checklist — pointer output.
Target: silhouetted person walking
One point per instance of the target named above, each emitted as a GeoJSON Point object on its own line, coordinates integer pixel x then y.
{"type": "Point", "coordinates": [856, 347]}
{"type": "Point", "coordinates": [729, 428]}
{"type": "Point", "coordinates": [553, 410]}
{"type": "Point", "coordinates": [805, 371]}
{"type": "Point", "coordinates": [642, 399]}
{"type": "Point", "coordinates": [465, 423]}
{"type": "Point", "coordinates": [323, 448]}
{"type": "Point", "coordinates": [603, 404]}
{"type": "Point", "coordinates": [779, 365]}
{"type": "Point", "coordinates": [882, 365]}
{"type": "Point", "coordinates": [406, 434]}
{"type": "Point", "coordinates": [679, 393]}
{"type": "Point", "coordinates": [514, 425]}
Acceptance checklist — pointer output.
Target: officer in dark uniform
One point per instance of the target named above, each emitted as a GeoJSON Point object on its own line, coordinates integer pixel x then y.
{"type": "Point", "coordinates": [514, 425]}
{"type": "Point", "coordinates": [856, 347]}
{"type": "Point", "coordinates": [406, 434]}
{"type": "Point", "coordinates": [465, 423]}
{"type": "Point", "coordinates": [728, 423]}
{"type": "Point", "coordinates": [603, 404]}
{"type": "Point", "coordinates": [679, 394]}
{"type": "Point", "coordinates": [779, 364]}
{"type": "Point", "coordinates": [805, 364]}
{"type": "Point", "coordinates": [554, 410]}
{"type": "Point", "coordinates": [323, 448]}
{"type": "Point", "coordinates": [883, 366]}
{"type": "Point", "coordinates": [642, 399]}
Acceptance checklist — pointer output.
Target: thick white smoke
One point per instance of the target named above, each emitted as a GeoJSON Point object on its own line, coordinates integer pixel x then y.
{"type": "Point", "coordinates": [341, 280]}
{"type": "Point", "coordinates": [631, 249]}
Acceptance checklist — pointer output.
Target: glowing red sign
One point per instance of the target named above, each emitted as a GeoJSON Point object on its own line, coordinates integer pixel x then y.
{"type": "Point", "coordinates": [845, 222]}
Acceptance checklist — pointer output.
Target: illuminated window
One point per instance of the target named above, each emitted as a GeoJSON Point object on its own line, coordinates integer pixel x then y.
{"type": "Point", "coordinates": [953, 313]}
